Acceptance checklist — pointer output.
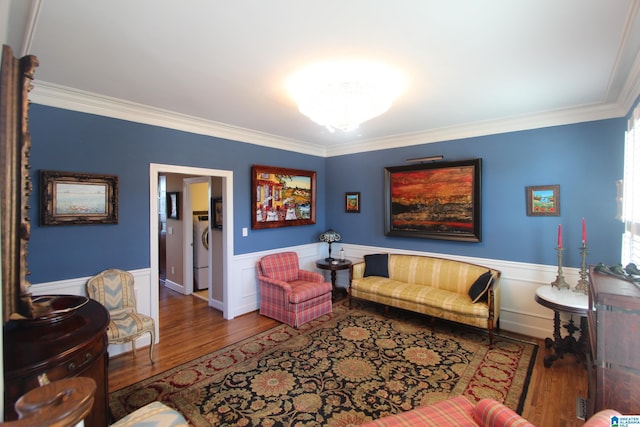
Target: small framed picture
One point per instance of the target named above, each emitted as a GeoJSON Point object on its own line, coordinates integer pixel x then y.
{"type": "Point", "coordinates": [352, 202]}
{"type": "Point", "coordinates": [173, 205]}
{"type": "Point", "coordinates": [217, 212]}
{"type": "Point", "coordinates": [543, 200]}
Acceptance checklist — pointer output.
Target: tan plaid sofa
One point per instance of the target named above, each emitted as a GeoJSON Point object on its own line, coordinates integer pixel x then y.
{"type": "Point", "coordinates": [437, 287]}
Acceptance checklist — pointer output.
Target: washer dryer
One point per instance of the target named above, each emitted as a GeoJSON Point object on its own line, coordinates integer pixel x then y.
{"type": "Point", "coordinates": [200, 251]}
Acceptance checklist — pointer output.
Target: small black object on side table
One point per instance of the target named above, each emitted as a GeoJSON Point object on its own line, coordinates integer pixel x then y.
{"type": "Point", "coordinates": [571, 302]}
{"type": "Point", "coordinates": [333, 266]}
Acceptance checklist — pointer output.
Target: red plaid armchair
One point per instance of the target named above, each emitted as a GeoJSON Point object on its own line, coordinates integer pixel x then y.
{"type": "Point", "coordinates": [291, 295]}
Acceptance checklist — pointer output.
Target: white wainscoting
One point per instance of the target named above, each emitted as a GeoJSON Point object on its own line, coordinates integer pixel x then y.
{"type": "Point", "coordinates": [518, 312]}
{"type": "Point", "coordinates": [78, 287]}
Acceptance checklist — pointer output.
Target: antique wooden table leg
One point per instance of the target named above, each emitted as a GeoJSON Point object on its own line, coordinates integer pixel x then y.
{"type": "Point", "coordinates": [568, 344]}
{"type": "Point", "coordinates": [553, 343]}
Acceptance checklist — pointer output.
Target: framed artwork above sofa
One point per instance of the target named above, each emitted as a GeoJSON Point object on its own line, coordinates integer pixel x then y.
{"type": "Point", "coordinates": [440, 200]}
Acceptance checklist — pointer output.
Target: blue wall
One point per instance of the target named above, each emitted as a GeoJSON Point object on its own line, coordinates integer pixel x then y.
{"type": "Point", "coordinates": [70, 141]}
{"type": "Point", "coordinates": [584, 159]}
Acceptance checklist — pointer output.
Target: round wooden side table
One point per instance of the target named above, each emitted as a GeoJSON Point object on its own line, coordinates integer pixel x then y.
{"type": "Point", "coordinates": [333, 266]}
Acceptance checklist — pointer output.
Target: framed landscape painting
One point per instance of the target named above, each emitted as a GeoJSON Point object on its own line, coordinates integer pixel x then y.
{"type": "Point", "coordinates": [543, 200]}
{"type": "Point", "coordinates": [434, 200]}
{"type": "Point", "coordinates": [78, 198]}
{"type": "Point", "coordinates": [352, 202]}
{"type": "Point", "coordinates": [282, 197]}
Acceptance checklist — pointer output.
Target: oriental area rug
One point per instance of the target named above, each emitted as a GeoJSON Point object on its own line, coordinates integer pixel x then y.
{"type": "Point", "coordinates": [342, 369]}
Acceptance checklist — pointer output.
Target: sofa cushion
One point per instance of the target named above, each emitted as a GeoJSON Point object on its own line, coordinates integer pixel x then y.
{"type": "Point", "coordinates": [442, 273]}
{"type": "Point", "coordinates": [304, 291]}
{"type": "Point", "coordinates": [456, 411]}
{"type": "Point", "coordinates": [379, 289]}
{"type": "Point", "coordinates": [480, 287]}
{"type": "Point", "coordinates": [376, 265]}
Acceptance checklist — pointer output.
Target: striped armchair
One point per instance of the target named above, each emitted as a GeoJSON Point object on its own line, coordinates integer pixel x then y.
{"type": "Point", "coordinates": [291, 295]}
{"type": "Point", "coordinates": [114, 289]}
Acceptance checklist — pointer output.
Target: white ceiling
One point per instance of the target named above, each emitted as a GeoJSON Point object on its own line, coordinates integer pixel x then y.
{"type": "Point", "coordinates": [218, 67]}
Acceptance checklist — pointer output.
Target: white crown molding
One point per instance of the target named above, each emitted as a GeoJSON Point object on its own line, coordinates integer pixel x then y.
{"type": "Point", "coordinates": [631, 89]}
{"type": "Point", "coordinates": [73, 99]}
{"type": "Point", "coordinates": [67, 98]}
{"type": "Point", "coordinates": [483, 128]}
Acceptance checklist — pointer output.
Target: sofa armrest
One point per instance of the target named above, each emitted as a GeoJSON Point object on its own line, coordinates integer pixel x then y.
{"type": "Point", "coordinates": [602, 418]}
{"type": "Point", "coordinates": [274, 283]}
{"type": "Point", "coordinates": [495, 293]}
{"type": "Point", "coordinates": [491, 413]}
{"type": "Point", "coordinates": [310, 276]}
{"type": "Point", "coordinates": [357, 270]}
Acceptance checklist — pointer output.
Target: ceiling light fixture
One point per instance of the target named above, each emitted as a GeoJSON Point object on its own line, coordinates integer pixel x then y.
{"type": "Point", "coordinates": [342, 95]}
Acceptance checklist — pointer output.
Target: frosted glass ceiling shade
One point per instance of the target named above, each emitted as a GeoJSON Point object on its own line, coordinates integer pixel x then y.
{"type": "Point", "coordinates": [342, 95]}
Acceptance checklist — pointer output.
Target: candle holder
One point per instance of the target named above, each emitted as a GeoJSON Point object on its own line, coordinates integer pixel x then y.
{"type": "Point", "coordinates": [583, 283]}
{"type": "Point", "coordinates": [560, 283]}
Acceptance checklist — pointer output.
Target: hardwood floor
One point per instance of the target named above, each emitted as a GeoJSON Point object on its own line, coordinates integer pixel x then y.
{"type": "Point", "coordinates": [189, 329]}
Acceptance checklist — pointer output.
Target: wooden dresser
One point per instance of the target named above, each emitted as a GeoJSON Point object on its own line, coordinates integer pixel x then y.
{"type": "Point", "coordinates": [74, 346]}
{"type": "Point", "coordinates": [614, 344]}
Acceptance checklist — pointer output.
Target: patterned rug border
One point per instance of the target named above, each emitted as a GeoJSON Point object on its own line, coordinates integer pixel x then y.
{"type": "Point", "coordinates": [515, 398]}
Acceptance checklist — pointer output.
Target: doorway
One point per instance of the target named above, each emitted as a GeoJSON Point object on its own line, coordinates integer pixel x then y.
{"type": "Point", "coordinates": [225, 234]}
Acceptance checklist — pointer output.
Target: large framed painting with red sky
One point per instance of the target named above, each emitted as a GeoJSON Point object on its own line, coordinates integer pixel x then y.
{"type": "Point", "coordinates": [439, 200]}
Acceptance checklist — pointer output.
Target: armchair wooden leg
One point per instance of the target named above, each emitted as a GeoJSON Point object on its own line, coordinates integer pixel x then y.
{"type": "Point", "coordinates": [153, 341]}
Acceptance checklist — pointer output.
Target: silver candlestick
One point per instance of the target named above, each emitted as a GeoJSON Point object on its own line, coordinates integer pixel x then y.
{"type": "Point", "coordinates": [560, 282]}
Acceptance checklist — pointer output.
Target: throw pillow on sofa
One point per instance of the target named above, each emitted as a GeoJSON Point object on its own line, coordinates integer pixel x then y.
{"type": "Point", "coordinates": [480, 287]}
{"type": "Point", "coordinates": [376, 265]}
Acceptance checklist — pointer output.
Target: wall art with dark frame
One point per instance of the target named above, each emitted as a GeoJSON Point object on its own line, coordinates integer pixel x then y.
{"type": "Point", "coordinates": [543, 200]}
{"type": "Point", "coordinates": [216, 211]}
{"type": "Point", "coordinates": [434, 200]}
{"type": "Point", "coordinates": [352, 202]}
{"type": "Point", "coordinates": [282, 197]}
{"type": "Point", "coordinates": [78, 198]}
{"type": "Point", "coordinates": [173, 205]}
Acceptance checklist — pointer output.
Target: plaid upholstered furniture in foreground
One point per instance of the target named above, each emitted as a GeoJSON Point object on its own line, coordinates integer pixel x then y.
{"type": "Point", "coordinates": [459, 412]}
{"type": "Point", "coordinates": [289, 294]}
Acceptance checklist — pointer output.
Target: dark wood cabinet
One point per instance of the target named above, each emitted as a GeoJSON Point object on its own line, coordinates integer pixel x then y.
{"type": "Point", "coordinates": [73, 346]}
{"type": "Point", "coordinates": [614, 344]}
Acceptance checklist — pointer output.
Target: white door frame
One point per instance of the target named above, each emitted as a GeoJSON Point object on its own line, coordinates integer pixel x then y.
{"type": "Point", "coordinates": [155, 170]}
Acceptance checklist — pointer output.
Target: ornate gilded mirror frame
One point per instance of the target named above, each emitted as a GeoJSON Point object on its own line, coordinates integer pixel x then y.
{"type": "Point", "coordinates": [15, 185]}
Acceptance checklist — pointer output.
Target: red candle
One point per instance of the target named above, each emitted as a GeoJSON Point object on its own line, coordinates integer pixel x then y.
{"type": "Point", "coordinates": [560, 235]}
{"type": "Point", "coordinates": [584, 231]}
